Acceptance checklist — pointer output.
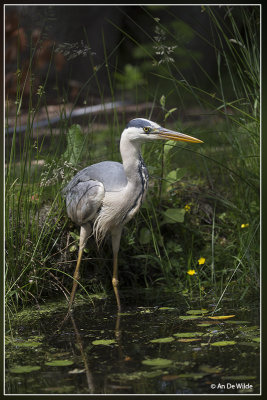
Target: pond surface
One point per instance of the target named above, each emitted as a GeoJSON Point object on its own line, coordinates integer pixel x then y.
{"type": "Point", "coordinates": [164, 348]}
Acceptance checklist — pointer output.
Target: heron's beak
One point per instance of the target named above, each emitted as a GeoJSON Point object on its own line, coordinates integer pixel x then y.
{"type": "Point", "coordinates": [176, 136]}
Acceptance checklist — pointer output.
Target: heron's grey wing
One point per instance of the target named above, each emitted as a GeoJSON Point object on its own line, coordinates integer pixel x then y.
{"type": "Point", "coordinates": [86, 190]}
{"type": "Point", "coordinates": [110, 173]}
{"type": "Point", "coordinates": [83, 200]}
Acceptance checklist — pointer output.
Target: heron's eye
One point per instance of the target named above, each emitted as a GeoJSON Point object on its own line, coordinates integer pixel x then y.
{"type": "Point", "coordinates": [146, 129]}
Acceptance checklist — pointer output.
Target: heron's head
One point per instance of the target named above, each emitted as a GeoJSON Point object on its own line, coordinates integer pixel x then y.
{"type": "Point", "coordinates": [143, 130]}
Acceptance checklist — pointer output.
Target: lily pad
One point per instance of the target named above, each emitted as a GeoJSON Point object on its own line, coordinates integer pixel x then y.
{"type": "Point", "coordinates": [214, 332]}
{"type": "Point", "coordinates": [157, 362]}
{"type": "Point", "coordinates": [59, 363]}
{"type": "Point", "coordinates": [61, 389]}
{"type": "Point", "coordinates": [250, 328]}
{"type": "Point", "coordinates": [210, 370]}
{"type": "Point", "coordinates": [222, 316]}
{"type": "Point", "coordinates": [237, 322]}
{"type": "Point", "coordinates": [125, 314]}
{"type": "Point", "coordinates": [136, 375]}
{"type": "Point", "coordinates": [162, 340]}
{"type": "Point", "coordinates": [170, 377]}
{"type": "Point", "coordinates": [192, 375]}
{"type": "Point", "coordinates": [167, 309]}
{"type": "Point", "coordinates": [197, 312]}
{"type": "Point", "coordinates": [224, 343]}
{"type": "Point", "coordinates": [189, 317]}
{"type": "Point", "coordinates": [187, 334]}
{"type": "Point", "coordinates": [239, 378]}
{"type": "Point", "coordinates": [146, 311]}
{"type": "Point", "coordinates": [28, 344]}
{"type": "Point", "coordinates": [103, 342]}
{"type": "Point", "coordinates": [24, 369]}
{"type": "Point", "coordinates": [250, 344]}
{"type": "Point", "coordinates": [185, 340]}
{"type": "Point", "coordinates": [211, 322]}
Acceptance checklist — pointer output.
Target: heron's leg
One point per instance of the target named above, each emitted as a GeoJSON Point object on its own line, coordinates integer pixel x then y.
{"type": "Point", "coordinates": [84, 234]}
{"type": "Point", "coordinates": [116, 238]}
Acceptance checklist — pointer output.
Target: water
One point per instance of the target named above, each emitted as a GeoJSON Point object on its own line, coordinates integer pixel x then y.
{"type": "Point", "coordinates": [150, 349]}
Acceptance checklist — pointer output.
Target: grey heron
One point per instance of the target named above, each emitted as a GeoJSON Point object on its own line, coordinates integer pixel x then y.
{"type": "Point", "coordinates": [105, 196]}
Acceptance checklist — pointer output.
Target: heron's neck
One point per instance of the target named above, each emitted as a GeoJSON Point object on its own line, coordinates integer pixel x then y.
{"type": "Point", "coordinates": [131, 158]}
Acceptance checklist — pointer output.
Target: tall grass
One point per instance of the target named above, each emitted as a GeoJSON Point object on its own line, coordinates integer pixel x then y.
{"type": "Point", "coordinates": [203, 202]}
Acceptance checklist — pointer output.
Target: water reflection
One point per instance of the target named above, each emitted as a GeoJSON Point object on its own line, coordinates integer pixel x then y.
{"type": "Point", "coordinates": [147, 350]}
{"type": "Point", "coordinates": [80, 346]}
{"type": "Point", "coordinates": [89, 375]}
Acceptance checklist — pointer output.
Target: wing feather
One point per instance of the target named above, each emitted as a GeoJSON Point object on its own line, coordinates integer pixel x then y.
{"type": "Point", "coordinates": [83, 200]}
{"type": "Point", "coordinates": [85, 192]}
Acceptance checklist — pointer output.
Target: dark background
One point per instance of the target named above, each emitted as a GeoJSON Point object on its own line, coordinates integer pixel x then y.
{"type": "Point", "coordinates": [102, 28]}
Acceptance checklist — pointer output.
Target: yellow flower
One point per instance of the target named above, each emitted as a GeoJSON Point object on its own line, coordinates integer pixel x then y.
{"type": "Point", "coordinates": [244, 226]}
{"type": "Point", "coordinates": [187, 207]}
{"type": "Point", "coordinates": [201, 260]}
{"type": "Point", "coordinates": [191, 272]}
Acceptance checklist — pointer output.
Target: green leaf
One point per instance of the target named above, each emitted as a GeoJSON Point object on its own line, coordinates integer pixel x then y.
{"type": "Point", "coordinates": [131, 77]}
{"type": "Point", "coordinates": [168, 181]}
{"type": "Point", "coordinates": [75, 144]}
{"type": "Point", "coordinates": [169, 113]}
{"type": "Point", "coordinates": [144, 236]}
{"type": "Point", "coordinates": [162, 101]}
{"type": "Point", "coordinates": [74, 236]}
{"type": "Point", "coordinates": [72, 248]}
{"type": "Point", "coordinates": [180, 173]}
{"type": "Point", "coordinates": [171, 177]}
{"type": "Point", "coordinates": [168, 145]}
{"type": "Point", "coordinates": [173, 215]}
